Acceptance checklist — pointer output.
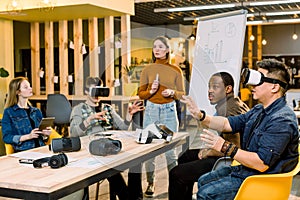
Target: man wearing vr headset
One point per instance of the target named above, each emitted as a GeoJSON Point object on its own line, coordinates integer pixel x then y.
{"type": "Point", "coordinates": [85, 119]}
{"type": "Point", "coordinates": [269, 134]}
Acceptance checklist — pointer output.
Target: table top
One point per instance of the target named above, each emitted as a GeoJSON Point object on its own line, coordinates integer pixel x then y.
{"type": "Point", "coordinates": [46, 180]}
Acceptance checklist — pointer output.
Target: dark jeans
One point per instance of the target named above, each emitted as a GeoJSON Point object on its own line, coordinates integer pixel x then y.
{"type": "Point", "coordinates": [135, 183]}
{"type": "Point", "coordinates": [186, 173]}
{"type": "Point", "coordinates": [119, 188]}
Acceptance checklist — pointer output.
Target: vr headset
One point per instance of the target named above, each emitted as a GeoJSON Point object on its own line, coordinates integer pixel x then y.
{"type": "Point", "coordinates": [99, 91]}
{"type": "Point", "coordinates": [65, 144]}
{"type": "Point", "coordinates": [154, 131]}
{"type": "Point", "coordinates": [105, 146]}
{"type": "Point", "coordinates": [256, 78]}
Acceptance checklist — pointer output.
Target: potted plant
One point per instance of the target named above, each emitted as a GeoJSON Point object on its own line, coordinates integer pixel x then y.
{"type": "Point", "coordinates": [128, 70]}
{"type": "Point", "coordinates": [3, 72]}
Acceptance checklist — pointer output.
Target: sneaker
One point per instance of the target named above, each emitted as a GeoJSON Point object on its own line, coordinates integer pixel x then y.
{"type": "Point", "coordinates": [150, 191]}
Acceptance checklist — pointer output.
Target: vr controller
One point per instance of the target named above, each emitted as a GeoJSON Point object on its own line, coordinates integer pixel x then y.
{"type": "Point", "coordinates": [99, 91]}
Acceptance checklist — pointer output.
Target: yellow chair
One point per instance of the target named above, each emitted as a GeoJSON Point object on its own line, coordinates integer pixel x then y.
{"type": "Point", "coordinates": [53, 134]}
{"type": "Point", "coordinates": [10, 150]}
{"type": "Point", "coordinates": [267, 186]}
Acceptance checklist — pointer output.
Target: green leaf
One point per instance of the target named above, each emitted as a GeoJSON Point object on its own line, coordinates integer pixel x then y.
{"type": "Point", "coordinates": [3, 72]}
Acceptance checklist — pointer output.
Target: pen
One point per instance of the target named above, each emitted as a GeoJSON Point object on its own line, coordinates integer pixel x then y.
{"type": "Point", "coordinates": [157, 76]}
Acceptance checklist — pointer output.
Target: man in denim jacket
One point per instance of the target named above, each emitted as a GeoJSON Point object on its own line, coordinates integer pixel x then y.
{"type": "Point", "coordinates": [269, 133]}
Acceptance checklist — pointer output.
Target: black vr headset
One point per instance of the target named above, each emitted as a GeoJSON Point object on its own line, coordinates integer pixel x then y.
{"type": "Point", "coordinates": [65, 144]}
{"type": "Point", "coordinates": [256, 78]}
{"type": "Point", "coordinates": [105, 146]}
{"type": "Point", "coordinates": [99, 91]}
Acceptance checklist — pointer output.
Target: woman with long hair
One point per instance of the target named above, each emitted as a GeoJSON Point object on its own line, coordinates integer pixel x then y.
{"type": "Point", "coordinates": [160, 85]}
{"type": "Point", "coordinates": [20, 120]}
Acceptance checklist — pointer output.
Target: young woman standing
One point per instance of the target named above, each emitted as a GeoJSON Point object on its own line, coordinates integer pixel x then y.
{"type": "Point", "coordinates": [160, 85]}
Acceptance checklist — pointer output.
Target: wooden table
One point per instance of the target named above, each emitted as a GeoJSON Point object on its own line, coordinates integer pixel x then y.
{"type": "Point", "coordinates": [19, 181]}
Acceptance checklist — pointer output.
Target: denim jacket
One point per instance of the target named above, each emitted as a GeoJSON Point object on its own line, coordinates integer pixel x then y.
{"type": "Point", "coordinates": [275, 137]}
{"type": "Point", "coordinates": [15, 123]}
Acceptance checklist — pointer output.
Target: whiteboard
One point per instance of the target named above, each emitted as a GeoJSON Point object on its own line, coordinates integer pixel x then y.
{"type": "Point", "coordinates": [219, 47]}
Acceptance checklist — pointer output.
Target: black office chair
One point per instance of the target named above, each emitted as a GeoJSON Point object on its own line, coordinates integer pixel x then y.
{"type": "Point", "coordinates": [58, 106]}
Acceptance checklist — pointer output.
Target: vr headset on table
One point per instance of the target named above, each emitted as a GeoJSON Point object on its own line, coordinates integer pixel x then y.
{"type": "Point", "coordinates": [65, 144]}
{"type": "Point", "coordinates": [105, 146]}
{"type": "Point", "coordinates": [154, 131]}
{"type": "Point", "coordinates": [99, 91]}
{"type": "Point", "coordinates": [256, 78]}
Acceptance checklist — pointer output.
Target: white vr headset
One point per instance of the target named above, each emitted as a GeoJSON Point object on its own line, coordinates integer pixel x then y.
{"type": "Point", "coordinates": [154, 131]}
{"type": "Point", "coordinates": [253, 77]}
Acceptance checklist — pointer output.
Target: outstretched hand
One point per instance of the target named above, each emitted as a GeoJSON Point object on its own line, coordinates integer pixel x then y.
{"type": "Point", "coordinates": [212, 140]}
{"type": "Point", "coordinates": [191, 105]}
{"type": "Point", "coordinates": [135, 107]}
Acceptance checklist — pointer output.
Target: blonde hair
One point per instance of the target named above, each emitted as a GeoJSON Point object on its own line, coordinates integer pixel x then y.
{"type": "Point", "coordinates": [14, 87]}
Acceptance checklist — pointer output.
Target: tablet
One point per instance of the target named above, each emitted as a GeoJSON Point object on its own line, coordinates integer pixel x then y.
{"type": "Point", "coordinates": [46, 122]}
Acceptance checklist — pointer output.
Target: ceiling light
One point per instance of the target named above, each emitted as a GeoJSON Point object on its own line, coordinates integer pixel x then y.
{"type": "Point", "coordinates": [277, 21]}
{"type": "Point", "coordinates": [191, 37]}
{"type": "Point", "coordinates": [251, 15]}
{"type": "Point", "coordinates": [230, 5]}
{"type": "Point", "coordinates": [46, 5]}
{"type": "Point", "coordinates": [286, 20]}
{"type": "Point", "coordinates": [257, 22]}
{"type": "Point", "coordinates": [190, 8]}
{"type": "Point", "coordinates": [282, 13]}
{"type": "Point", "coordinates": [14, 7]}
{"type": "Point", "coordinates": [264, 3]}
{"type": "Point", "coordinates": [264, 42]}
{"type": "Point", "coordinates": [252, 38]}
{"type": "Point", "coordinates": [295, 36]}
{"type": "Point", "coordinates": [193, 34]}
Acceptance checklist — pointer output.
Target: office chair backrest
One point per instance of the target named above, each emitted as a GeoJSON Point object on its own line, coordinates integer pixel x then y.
{"type": "Point", "coordinates": [58, 106]}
